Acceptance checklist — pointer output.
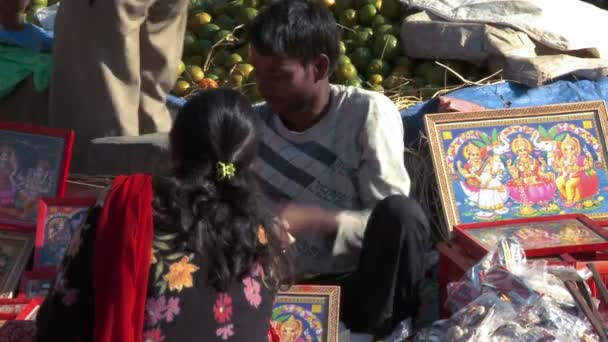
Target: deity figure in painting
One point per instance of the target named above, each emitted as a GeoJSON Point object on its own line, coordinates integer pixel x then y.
{"type": "Point", "coordinates": [532, 237]}
{"type": "Point", "coordinates": [576, 178]}
{"type": "Point", "coordinates": [483, 180]}
{"type": "Point", "coordinates": [573, 234]}
{"type": "Point", "coordinates": [37, 183]}
{"type": "Point", "coordinates": [530, 183]}
{"type": "Point", "coordinates": [471, 171]}
{"type": "Point", "coordinates": [8, 172]}
{"type": "Point", "coordinates": [292, 330]}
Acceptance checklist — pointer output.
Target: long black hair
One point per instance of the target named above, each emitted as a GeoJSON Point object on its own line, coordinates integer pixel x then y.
{"type": "Point", "coordinates": [218, 217]}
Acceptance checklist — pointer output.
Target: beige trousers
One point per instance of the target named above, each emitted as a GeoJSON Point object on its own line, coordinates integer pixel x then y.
{"type": "Point", "coordinates": [115, 61]}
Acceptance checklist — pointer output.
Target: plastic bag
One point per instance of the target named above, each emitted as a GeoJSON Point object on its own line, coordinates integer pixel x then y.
{"type": "Point", "coordinates": [559, 322]}
{"type": "Point", "coordinates": [508, 254]}
{"type": "Point", "coordinates": [401, 333]}
{"type": "Point", "coordinates": [46, 16]}
{"type": "Point", "coordinates": [509, 287]}
{"type": "Point", "coordinates": [539, 277]}
{"type": "Point", "coordinates": [475, 322]}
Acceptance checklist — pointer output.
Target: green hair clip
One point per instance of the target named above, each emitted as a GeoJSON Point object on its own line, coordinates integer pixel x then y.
{"type": "Point", "coordinates": [225, 170]}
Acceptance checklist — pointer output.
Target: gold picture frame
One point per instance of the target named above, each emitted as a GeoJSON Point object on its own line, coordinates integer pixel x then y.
{"type": "Point", "coordinates": [308, 313]}
{"type": "Point", "coordinates": [521, 162]}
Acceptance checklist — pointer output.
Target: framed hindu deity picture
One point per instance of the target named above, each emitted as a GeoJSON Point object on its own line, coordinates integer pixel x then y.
{"type": "Point", "coordinates": [36, 283]}
{"type": "Point", "coordinates": [307, 313]}
{"type": "Point", "coordinates": [521, 162]}
{"type": "Point", "coordinates": [15, 251]}
{"type": "Point", "coordinates": [34, 163]}
{"type": "Point", "coordinates": [59, 219]}
{"type": "Point", "coordinates": [539, 237]}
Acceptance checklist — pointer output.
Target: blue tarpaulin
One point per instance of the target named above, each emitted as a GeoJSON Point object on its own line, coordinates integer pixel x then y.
{"type": "Point", "coordinates": [508, 95]}
{"type": "Point", "coordinates": [31, 37]}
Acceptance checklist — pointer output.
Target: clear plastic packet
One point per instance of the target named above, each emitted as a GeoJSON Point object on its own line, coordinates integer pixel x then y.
{"type": "Point", "coordinates": [475, 322]}
{"type": "Point", "coordinates": [508, 253]}
{"type": "Point", "coordinates": [401, 333]}
{"type": "Point", "coordinates": [46, 16]}
{"type": "Point", "coordinates": [539, 278]}
{"type": "Point", "coordinates": [509, 287]}
{"type": "Point", "coordinates": [550, 317]}
{"type": "Point", "coordinates": [508, 332]}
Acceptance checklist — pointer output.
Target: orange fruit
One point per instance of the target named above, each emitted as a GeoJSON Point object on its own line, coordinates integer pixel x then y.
{"type": "Point", "coordinates": [181, 68]}
{"type": "Point", "coordinates": [366, 14]}
{"type": "Point", "coordinates": [181, 88]}
{"type": "Point", "coordinates": [233, 60]}
{"type": "Point", "coordinates": [196, 73]}
{"type": "Point", "coordinates": [207, 83]}
{"type": "Point", "coordinates": [348, 18]}
{"type": "Point", "coordinates": [386, 46]}
{"type": "Point", "coordinates": [375, 79]}
{"type": "Point", "coordinates": [343, 59]}
{"type": "Point", "coordinates": [244, 69]}
{"type": "Point", "coordinates": [347, 72]}
{"type": "Point", "coordinates": [361, 57]}
{"type": "Point", "coordinates": [198, 20]}
{"type": "Point", "coordinates": [378, 66]}
{"type": "Point", "coordinates": [207, 31]}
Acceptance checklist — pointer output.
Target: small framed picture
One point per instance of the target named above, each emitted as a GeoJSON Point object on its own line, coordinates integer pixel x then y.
{"type": "Point", "coordinates": [34, 163]}
{"type": "Point", "coordinates": [517, 163]}
{"type": "Point", "coordinates": [539, 237]}
{"type": "Point", "coordinates": [307, 313]}
{"type": "Point", "coordinates": [15, 251]}
{"type": "Point", "coordinates": [37, 283]}
{"type": "Point", "coordinates": [58, 221]}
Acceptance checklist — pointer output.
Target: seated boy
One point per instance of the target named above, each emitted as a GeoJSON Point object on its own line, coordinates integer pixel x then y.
{"type": "Point", "coordinates": [331, 163]}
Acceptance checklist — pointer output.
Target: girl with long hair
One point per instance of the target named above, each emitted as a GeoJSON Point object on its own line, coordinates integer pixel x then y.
{"type": "Point", "coordinates": [183, 257]}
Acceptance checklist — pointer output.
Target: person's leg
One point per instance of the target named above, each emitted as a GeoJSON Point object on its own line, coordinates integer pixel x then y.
{"type": "Point", "coordinates": [161, 42]}
{"type": "Point", "coordinates": [95, 84]}
{"type": "Point", "coordinates": [384, 289]}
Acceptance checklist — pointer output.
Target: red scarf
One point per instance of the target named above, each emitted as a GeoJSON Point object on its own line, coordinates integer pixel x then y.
{"type": "Point", "coordinates": [121, 260]}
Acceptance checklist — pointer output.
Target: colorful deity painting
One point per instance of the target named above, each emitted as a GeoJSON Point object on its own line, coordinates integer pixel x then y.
{"type": "Point", "coordinates": [32, 165]}
{"type": "Point", "coordinates": [535, 235]}
{"type": "Point", "coordinates": [307, 314]}
{"type": "Point", "coordinates": [514, 171]}
{"type": "Point", "coordinates": [60, 225]}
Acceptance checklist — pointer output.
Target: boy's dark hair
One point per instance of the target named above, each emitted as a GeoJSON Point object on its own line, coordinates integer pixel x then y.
{"type": "Point", "coordinates": [301, 29]}
{"type": "Point", "coordinates": [218, 218]}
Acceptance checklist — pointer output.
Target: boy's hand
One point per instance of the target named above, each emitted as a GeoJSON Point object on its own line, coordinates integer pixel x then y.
{"type": "Point", "coordinates": [12, 14]}
{"type": "Point", "coordinates": [309, 219]}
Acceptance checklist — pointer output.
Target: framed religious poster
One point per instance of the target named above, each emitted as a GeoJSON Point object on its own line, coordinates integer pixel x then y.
{"type": "Point", "coordinates": [539, 237]}
{"type": "Point", "coordinates": [34, 163]}
{"type": "Point", "coordinates": [59, 219]}
{"type": "Point", "coordinates": [307, 313]}
{"type": "Point", "coordinates": [37, 282]}
{"type": "Point", "coordinates": [15, 251]}
{"type": "Point", "coordinates": [521, 163]}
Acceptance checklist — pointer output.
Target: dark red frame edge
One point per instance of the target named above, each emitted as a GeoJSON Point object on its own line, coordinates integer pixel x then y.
{"type": "Point", "coordinates": [479, 251]}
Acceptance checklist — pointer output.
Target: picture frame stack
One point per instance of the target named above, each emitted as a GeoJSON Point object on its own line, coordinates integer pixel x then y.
{"type": "Point", "coordinates": [37, 221]}
{"type": "Point", "coordinates": [536, 174]}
